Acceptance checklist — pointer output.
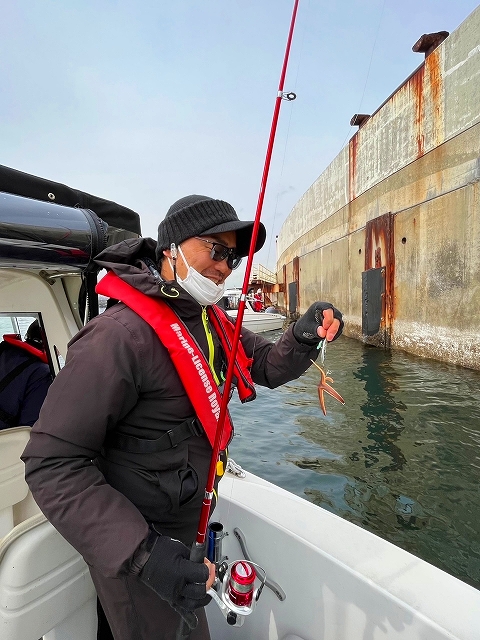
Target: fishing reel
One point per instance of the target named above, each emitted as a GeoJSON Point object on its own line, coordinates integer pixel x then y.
{"type": "Point", "coordinates": [238, 586]}
{"type": "Point", "coordinates": [234, 590]}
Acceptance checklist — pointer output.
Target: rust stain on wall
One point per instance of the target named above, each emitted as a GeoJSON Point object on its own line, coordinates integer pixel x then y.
{"type": "Point", "coordinates": [380, 252]}
{"type": "Point", "coordinates": [352, 166]}
{"type": "Point", "coordinates": [434, 73]}
{"type": "Point", "coordinates": [416, 86]}
{"type": "Point", "coordinates": [296, 277]}
{"type": "Point", "coordinates": [285, 286]}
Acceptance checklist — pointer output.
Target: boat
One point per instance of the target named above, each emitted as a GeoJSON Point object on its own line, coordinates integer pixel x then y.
{"type": "Point", "coordinates": [324, 577]}
{"type": "Point", "coordinates": [256, 321]}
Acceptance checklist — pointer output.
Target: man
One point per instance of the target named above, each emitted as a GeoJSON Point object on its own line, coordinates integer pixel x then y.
{"type": "Point", "coordinates": [136, 396]}
{"type": "Point", "coordinates": [24, 378]}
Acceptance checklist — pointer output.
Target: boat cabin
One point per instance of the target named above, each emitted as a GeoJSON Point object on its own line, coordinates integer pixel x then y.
{"type": "Point", "coordinates": [49, 235]}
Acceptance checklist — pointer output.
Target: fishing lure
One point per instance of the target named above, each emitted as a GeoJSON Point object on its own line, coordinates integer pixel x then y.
{"type": "Point", "coordinates": [323, 386]}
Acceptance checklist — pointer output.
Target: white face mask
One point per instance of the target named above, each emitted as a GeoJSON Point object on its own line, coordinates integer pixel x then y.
{"type": "Point", "coordinates": [202, 289]}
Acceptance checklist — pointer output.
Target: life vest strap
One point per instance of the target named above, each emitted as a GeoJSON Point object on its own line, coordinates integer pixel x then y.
{"type": "Point", "coordinates": [169, 440]}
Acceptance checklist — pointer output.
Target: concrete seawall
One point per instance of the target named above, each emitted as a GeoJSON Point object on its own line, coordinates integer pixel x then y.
{"type": "Point", "coordinates": [390, 232]}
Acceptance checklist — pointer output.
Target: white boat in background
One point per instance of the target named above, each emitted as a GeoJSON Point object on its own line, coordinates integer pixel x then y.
{"type": "Point", "coordinates": [327, 579]}
{"type": "Point", "coordinates": [256, 321]}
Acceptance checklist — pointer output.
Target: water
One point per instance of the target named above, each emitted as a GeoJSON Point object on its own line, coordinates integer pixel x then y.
{"type": "Point", "coordinates": [401, 458]}
{"type": "Point", "coordinates": [16, 323]}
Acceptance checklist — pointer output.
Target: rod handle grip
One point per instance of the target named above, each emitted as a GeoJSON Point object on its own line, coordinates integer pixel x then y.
{"type": "Point", "coordinates": [197, 554]}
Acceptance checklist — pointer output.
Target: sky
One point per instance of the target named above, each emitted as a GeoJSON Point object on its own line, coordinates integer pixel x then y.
{"type": "Point", "coordinates": [145, 101]}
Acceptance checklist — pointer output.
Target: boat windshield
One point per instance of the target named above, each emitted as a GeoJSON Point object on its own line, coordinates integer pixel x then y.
{"type": "Point", "coordinates": [231, 299]}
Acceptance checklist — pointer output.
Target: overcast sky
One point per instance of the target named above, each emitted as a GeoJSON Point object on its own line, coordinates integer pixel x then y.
{"type": "Point", "coordinates": [143, 102]}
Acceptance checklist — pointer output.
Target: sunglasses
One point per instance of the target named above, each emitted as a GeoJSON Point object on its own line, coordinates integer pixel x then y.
{"type": "Point", "coordinates": [220, 252]}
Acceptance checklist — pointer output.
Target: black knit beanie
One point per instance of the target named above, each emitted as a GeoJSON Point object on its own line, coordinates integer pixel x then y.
{"type": "Point", "coordinates": [200, 215]}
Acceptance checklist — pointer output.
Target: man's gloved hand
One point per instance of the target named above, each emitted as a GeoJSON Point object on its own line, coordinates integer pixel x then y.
{"type": "Point", "coordinates": [320, 315]}
{"type": "Point", "coordinates": [175, 578]}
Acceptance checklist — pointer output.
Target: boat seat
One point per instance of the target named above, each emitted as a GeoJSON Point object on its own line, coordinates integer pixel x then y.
{"type": "Point", "coordinates": [45, 586]}
{"type": "Point", "coordinates": [16, 501]}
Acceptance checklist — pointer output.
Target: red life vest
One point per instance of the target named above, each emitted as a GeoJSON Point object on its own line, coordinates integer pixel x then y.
{"type": "Point", "coordinates": [190, 363]}
{"type": "Point", "coordinates": [225, 330]}
{"type": "Point", "coordinates": [15, 339]}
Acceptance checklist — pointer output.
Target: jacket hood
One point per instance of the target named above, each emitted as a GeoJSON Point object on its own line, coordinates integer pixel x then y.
{"type": "Point", "coordinates": [126, 260]}
{"type": "Point", "coordinates": [119, 257]}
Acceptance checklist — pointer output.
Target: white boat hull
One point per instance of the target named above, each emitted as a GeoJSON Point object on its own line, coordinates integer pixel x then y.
{"type": "Point", "coordinates": [341, 582]}
{"type": "Point", "coordinates": [256, 321]}
{"type": "Point", "coordinates": [259, 322]}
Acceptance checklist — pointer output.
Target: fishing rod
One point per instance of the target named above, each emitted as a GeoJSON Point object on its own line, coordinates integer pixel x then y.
{"type": "Point", "coordinates": [197, 552]}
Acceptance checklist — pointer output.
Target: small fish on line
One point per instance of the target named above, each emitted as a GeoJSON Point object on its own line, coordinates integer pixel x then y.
{"type": "Point", "coordinates": [324, 387]}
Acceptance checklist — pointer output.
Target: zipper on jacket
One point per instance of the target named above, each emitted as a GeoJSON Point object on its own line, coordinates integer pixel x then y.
{"type": "Point", "coordinates": [211, 348]}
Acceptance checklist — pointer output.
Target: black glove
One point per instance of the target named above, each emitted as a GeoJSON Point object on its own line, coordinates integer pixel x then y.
{"type": "Point", "coordinates": [305, 328]}
{"type": "Point", "coordinates": [175, 578]}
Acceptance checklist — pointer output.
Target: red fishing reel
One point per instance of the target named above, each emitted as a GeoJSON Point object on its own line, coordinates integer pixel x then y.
{"type": "Point", "coordinates": [237, 589]}
{"type": "Point", "coordinates": [241, 584]}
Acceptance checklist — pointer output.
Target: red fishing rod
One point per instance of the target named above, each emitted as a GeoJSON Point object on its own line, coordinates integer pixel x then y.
{"type": "Point", "coordinates": [198, 548]}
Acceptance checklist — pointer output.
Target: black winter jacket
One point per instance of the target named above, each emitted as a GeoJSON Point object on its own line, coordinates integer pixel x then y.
{"type": "Point", "coordinates": [22, 397]}
{"type": "Point", "coordinates": [118, 376]}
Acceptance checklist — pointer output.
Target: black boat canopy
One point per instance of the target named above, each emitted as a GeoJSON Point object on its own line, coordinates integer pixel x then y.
{"type": "Point", "coordinates": [24, 184]}
{"type": "Point", "coordinates": [47, 225]}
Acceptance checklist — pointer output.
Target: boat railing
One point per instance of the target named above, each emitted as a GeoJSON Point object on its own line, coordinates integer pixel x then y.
{"type": "Point", "coordinates": [262, 274]}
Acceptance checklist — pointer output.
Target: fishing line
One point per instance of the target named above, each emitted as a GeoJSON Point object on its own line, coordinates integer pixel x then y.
{"type": "Point", "coordinates": [295, 84]}
{"type": "Point", "coordinates": [368, 71]}
{"type": "Point", "coordinates": [272, 235]}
